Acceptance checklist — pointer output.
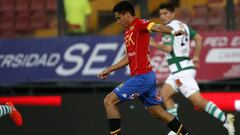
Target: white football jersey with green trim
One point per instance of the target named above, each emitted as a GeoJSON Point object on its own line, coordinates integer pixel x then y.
{"type": "Point", "coordinates": [178, 59]}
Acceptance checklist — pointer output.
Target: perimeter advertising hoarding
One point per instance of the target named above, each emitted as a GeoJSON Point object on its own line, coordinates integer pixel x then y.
{"type": "Point", "coordinates": [81, 58]}
{"type": "Point", "coordinates": [59, 59]}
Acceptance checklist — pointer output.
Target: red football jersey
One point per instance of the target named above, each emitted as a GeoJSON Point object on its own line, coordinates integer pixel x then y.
{"type": "Point", "coordinates": [136, 39]}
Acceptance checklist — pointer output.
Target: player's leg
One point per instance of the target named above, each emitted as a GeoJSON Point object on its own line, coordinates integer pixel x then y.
{"type": "Point", "coordinates": [113, 114]}
{"type": "Point", "coordinates": [172, 122]}
{"type": "Point", "coordinates": [197, 100]}
{"type": "Point", "coordinates": [12, 111]}
{"type": "Point", "coordinates": [171, 107]}
{"type": "Point", "coordinates": [152, 104]}
{"type": "Point", "coordinates": [168, 90]}
{"type": "Point", "coordinates": [4, 110]}
{"type": "Point", "coordinates": [212, 109]}
{"type": "Point", "coordinates": [189, 88]}
{"type": "Point", "coordinates": [153, 107]}
{"type": "Point", "coordinates": [167, 93]}
{"type": "Point", "coordinates": [151, 100]}
{"type": "Point", "coordinates": [123, 92]}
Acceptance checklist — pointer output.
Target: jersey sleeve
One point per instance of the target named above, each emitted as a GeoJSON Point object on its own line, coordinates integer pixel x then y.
{"type": "Point", "coordinates": [168, 39]}
{"type": "Point", "coordinates": [192, 32]}
{"type": "Point", "coordinates": [145, 25]}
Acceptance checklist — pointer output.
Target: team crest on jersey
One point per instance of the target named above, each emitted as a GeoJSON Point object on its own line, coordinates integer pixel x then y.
{"type": "Point", "coordinates": [167, 38]}
{"type": "Point", "coordinates": [144, 20]}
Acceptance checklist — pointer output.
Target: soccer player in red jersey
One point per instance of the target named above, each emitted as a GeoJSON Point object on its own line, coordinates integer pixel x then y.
{"type": "Point", "coordinates": [142, 82]}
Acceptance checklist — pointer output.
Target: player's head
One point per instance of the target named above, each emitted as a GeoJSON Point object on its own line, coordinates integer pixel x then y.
{"type": "Point", "coordinates": [166, 12]}
{"type": "Point", "coordinates": [124, 12]}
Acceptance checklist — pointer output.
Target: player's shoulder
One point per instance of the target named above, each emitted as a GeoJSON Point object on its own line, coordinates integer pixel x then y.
{"type": "Point", "coordinates": [175, 22]}
{"type": "Point", "coordinates": [143, 21]}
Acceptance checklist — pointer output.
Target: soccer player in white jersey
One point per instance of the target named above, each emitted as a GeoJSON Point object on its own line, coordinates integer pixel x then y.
{"type": "Point", "coordinates": [183, 69]}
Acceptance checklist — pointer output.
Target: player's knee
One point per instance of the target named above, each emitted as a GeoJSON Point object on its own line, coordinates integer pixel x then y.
{"type": "Point", "coordinates": [107, 101]}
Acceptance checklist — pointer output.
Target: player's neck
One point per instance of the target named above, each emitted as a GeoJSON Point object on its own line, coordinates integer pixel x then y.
{"type": "Point", "coordinates": [171, 20]}
{"type": "Point", "coordinates": [131, 19]}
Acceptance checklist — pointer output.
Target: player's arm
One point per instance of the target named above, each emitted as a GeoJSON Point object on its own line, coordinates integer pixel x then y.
{"type": "Point", "coordinates": [159, 28]}
{"type": "Point", "coordinates": [122, 63]}
{"type": "Point", "coordinates": [162, 47]}
{"type": "Point", "coordinates": [197, 50]}
{"type": "Point", "coordinates": [164, 29]}
{"type": "Point", "coordinates": [198, 45]}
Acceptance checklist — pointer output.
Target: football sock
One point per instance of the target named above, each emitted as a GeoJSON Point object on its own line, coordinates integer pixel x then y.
{"type": "Point", "coordinates": [177, 127]}
{"type": "Point", "coordinates": [115, 126]}
{"type": "Point", "coordinates": [173, 111]}
{"type": "Point", "coordinates": [213, 110]}
{"type": "Point", "coordinates": [4, 110]}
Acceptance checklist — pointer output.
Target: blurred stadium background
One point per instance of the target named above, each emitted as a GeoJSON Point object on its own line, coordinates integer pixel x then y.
{"type": "Point", "coordinates": [48, 65]}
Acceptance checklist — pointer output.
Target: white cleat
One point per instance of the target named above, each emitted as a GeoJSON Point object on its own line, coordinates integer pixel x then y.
{"type": "Point", "coordinates": [172, 133]}
{"type": "Point", "coordinates": [229, 124]}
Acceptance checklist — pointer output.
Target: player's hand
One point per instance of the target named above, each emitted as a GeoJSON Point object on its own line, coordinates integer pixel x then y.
{"type": "Point", "coordinates": [196, 62]}
{"type": "Point", "coordinates": [104, 74]}
{"type": "Point", "coordinates": [180, 32]}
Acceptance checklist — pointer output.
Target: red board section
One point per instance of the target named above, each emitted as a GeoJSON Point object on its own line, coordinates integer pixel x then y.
{"type": "Point", "coordinates": [33, 100]}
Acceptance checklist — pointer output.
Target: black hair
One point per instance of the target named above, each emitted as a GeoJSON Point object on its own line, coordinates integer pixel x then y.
{"type": "Point", "coordinates": [167, 6]}
{"type": "Point", "coordinates": [124, 6]}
